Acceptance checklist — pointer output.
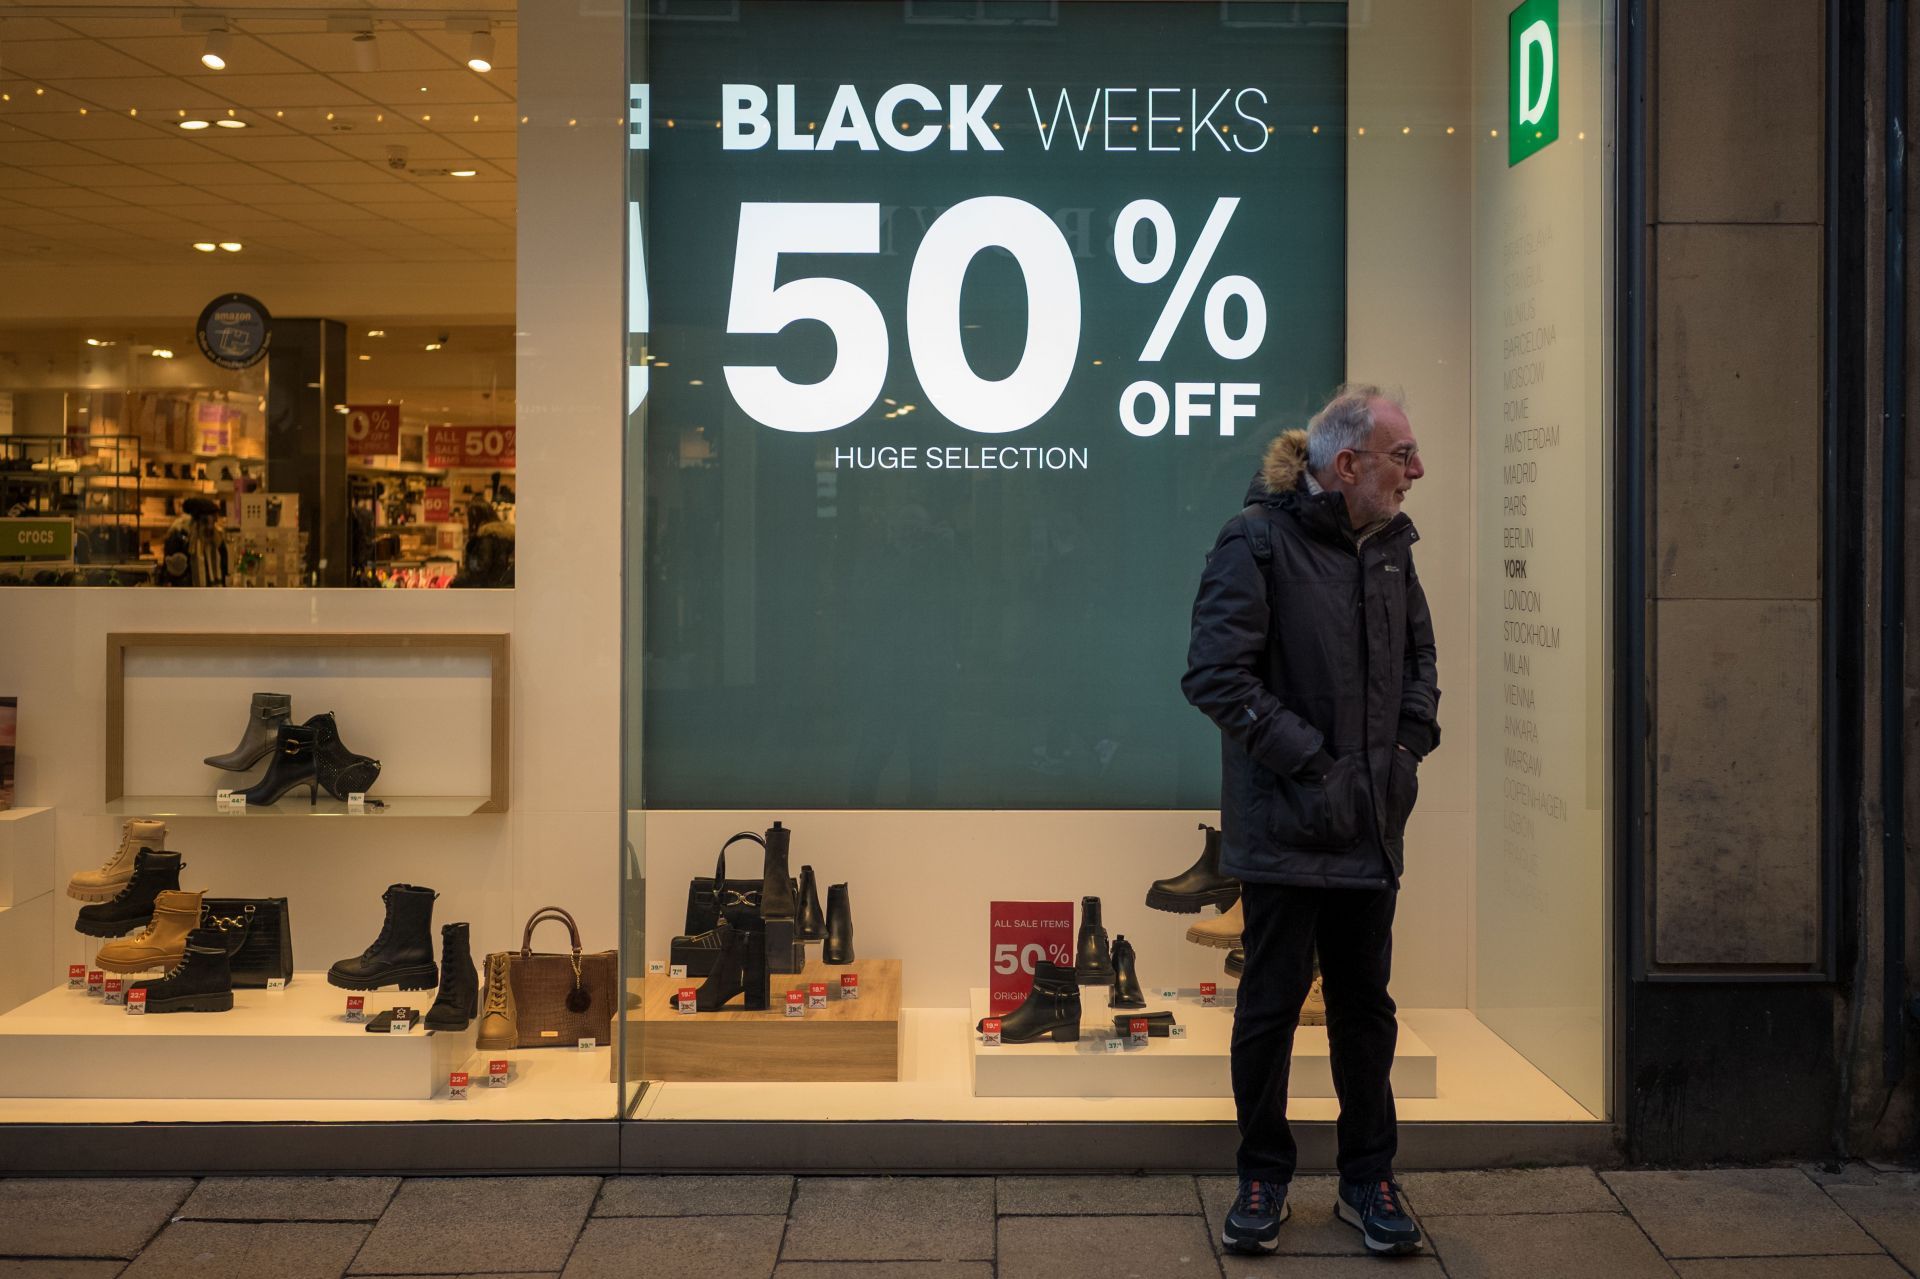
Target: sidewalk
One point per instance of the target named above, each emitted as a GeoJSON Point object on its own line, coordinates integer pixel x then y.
{"type": "Point", "coordinates": [1766, 1223]}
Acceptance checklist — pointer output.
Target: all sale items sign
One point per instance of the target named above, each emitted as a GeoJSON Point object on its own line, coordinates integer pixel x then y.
{"type": "Point", "coordinates": [1019, 935]}
{"type": "Point", "coordinates": [482, 448]}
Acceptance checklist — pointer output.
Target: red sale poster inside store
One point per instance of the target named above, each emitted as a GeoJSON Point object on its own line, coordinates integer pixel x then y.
{"type": "Point", "coordinates": [436, 505]}
{"type": "Point", "coordinates": [1019, 934]}
{"type": "Point", "coordinates": [484, 448]}
{"type": "Point", "coordinates": [373, 430]}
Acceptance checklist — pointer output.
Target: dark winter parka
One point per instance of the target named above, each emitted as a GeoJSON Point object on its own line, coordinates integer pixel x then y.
{"type": "Point", "coordinates": [1312, 649]}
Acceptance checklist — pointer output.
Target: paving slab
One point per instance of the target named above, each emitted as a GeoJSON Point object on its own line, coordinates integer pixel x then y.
{"type": "Point", "coordinates": [1582, 1245]}
{"type": "Point", "coordinates": [1310, 1230]}
{"type": "Point", "coordinates": [85, 1217]}
{"type": "Point", "coordinates": [1889, 1210]}
{"type": "Point", "coordinates": [694, 1197]}
{"type": "Point", "coordinates": [43, 1269]}
{"type": "Point", "coordinates": [250, 1250]}
{"type": "Point", "coordinates": [891, 1219]}
{"type": "Point", "coordinates": [1791, 1268]}
{"type": "Point", "coordinates": [453, 1225]}
{"type": "Point", "coordinates": [289, 1199]}
{"type": "Point", "coordinates": [1415, 1267]}
{"type": "Point", "coordinates": [1104, 1248]}
{"type": "Point", "coordinates": [1509, 1190]}
{"type": "Point", "coordinates": [1095, 1196]}
{"type": "Point", "coordinates": [1738, 1212]}
{"type": "Point", "coordinates": [883, 1270]}
{"type": "Point", "coordinates": [677, 1248]}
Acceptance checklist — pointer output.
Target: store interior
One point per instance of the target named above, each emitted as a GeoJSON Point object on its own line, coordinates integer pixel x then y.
{"type": "Point", "coordinates": [506, 782]}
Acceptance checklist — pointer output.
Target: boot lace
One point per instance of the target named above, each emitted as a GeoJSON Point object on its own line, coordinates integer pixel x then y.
{"type": "Point", "coordinates": [1386, 1200]}
{"type": "Point", "coordinates": [1257, 1198]}
{"type": "Point", "coordinates": [497, 986]}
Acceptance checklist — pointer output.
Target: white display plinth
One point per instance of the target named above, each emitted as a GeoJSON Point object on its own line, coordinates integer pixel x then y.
{"type": "Point", "coordinates": [291, 1043]}
{"type": "Point", "coordinates": [1196, 1066]}
{"type": "Point", "coordinates": [26, 854]}
{"type": "Point", "coordinates": [26, 951]}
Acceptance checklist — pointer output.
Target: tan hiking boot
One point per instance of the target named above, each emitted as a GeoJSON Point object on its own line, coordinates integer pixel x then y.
{"type": "Point", "coordinates": [1314, 1011]}
{"type": "Point", "coordinates": [1222, 930]}
{"type": "Point", "coordinates": [101, 885]}
{"type": "Point", "coordinates": [162, 943]}
{"type": "Point", "coordinates": [499, 1019]}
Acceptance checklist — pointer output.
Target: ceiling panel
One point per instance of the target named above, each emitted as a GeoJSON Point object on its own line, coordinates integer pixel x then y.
{"type": "Point", "coordinates": [17, 148]}
{"type": "Point", "coordinates": [179, 54]}
{"type": "Point", "coordinates": [14, 179]}
{"type": "Point", "coordinates": [399, 50]}
{"type": "Point", "coordinates": [272, 150]}
{"type": "Point", "coordinates": [424, 90]}
{"type": "Point", "coordinates": [157, 95]}
{"type": "Point", "coordinates": [95, 125]}
{"type": "Point", "coordinates": [60, 59]}
{"type": "Point", "coordinates": [269, 92]}
{"type": "Point", "coordinates": [98, 176]}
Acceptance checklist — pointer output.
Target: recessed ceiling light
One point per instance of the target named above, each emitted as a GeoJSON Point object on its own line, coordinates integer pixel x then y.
{"type": "Point", "coordinates": [231, 124]}
{"type": "Point", "coordinates": [95, 342]}
{"type": "Point", "coordinates": [376, 333]}
{"type": "Point", "coordinates": [465, 173]}
{"type": "Point", "coordinates": [433, 346]}
{"type": "Point", "coordinates": [205, 246]}
{"type": "Point", "coordinates": [214, 56]}
{"type": "Point", "coordinates": [480, 51]}
{"type": "Point", "coordinates": [231, 246]}
{"type": "Point", "coordinates": [366, 357]}
{"type": "Point", "coordinates": [162, 353]}
{"type": "Point", "coordinates": [193, 125]}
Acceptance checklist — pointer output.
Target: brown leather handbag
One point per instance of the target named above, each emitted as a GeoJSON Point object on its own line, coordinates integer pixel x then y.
{"type": "Point", "coordinates": [561, 999]}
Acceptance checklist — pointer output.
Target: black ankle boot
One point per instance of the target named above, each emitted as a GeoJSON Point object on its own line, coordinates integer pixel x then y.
{"type": "Point", "coordinates": [402, 955]}
{"type": "Point", "coordinates": [131, 908]}
{"type": "Point", "coordinates": [338, 769]}
{"type": "Point", "coordinates": [459, 999]}
{"type": "Point", "coordinates": [839, 947]}
{"type": "Point", "coordinates": [265, 718]}
{"type": "Point", "coordinates": [1125, 991]}
{"type": "Point", "coordinates": [199, 983]}
{"type": "Point", "coordinates": [290, 765]}
{"type": "Point", "coordinates": [1201, 884]}
{"type": "Point", "coordinates": [1093, 964]}
{"type": "Point", "coordinates": [740, 970]}
{"type": "Point", "coordinates": [1052, 1008]}
{"type": "Point", "coordinates": [813, 924]}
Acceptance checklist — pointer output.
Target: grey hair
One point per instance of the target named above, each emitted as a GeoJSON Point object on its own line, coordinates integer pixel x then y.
{"type": "Point", "coordinates": [1346, 422]}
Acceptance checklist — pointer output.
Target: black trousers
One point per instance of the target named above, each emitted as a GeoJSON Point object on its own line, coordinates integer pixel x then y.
{"type": "Point", "coordinates": [1353, 931]}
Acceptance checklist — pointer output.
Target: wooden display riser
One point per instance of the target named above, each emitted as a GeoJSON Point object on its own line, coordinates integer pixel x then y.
{"type": "Point", "coordinates": [848, 1041]}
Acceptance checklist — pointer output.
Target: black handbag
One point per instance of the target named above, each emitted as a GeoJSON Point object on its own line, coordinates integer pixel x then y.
{"type": "Point", "coordinates": [739, 899]}
{"type": "Point", "coordinates": [264, 955]}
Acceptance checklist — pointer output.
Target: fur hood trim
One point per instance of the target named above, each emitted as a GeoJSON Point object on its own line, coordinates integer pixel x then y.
{"type": "Point", "coordinates": [1285, 462]}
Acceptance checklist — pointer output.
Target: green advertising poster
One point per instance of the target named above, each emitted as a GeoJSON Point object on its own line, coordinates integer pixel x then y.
{"type": "Point", "coordinates": [960, 332]}
{"type": "Point", "coordinates": [1533, 78]}
{"type": "Point", "coordinates": [36, 539]}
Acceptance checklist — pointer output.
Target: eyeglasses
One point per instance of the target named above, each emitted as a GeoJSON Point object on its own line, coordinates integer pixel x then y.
{"type": "Point", "coordinates": [1403, 458]}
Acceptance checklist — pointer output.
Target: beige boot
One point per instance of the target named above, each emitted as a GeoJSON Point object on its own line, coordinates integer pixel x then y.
{"type": "Point", "coordinates": [101, 885]}
{"type": "Point", "coordinates": [1314, 1011]}
{"type": "Point", "coordinates": [163, 942]}
{"type": "Point", "coordinates": [1222, 930]}
{"type": "Point", "coordinates": [499, 1019]}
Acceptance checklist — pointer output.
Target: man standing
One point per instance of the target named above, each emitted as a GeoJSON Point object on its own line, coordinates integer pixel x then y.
{"type": "Point", "coordinates": [1312, 649]}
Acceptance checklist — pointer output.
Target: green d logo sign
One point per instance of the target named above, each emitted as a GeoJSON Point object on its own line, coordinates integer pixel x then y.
{"type": "Point", "coordinates": [1533, 79]}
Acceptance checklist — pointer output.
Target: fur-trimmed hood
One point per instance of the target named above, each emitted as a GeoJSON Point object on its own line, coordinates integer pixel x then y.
{"type": "Point", "coordinates": [1285, 461]}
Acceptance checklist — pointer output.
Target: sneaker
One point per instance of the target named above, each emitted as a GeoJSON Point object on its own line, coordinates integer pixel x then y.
{"type": "Point", "coordinates": [1376, 1210]}
{"type": "Point", "coordinates": [1253, 1223]}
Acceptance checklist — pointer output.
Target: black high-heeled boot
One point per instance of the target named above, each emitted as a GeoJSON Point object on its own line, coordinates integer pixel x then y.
{"type": "Point", "coordinates": [290, 765]}
{"type": "Point", "coordinates": [740, 970]}
{"type": "Point", "coordinates": [339, 770]}
{"type": "Point", "coordinates": [1093, 962]}
{"type": "Point", "coordinates": [264, 720]}
{"type": "Point", "coordinates": [813, 923]}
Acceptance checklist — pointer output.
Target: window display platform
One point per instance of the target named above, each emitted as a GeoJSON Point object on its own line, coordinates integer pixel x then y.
{"type": "Point", "coordinates": [293, 805]}
{"type": "Point", "coordinates": [289, 1043]}
{"type": "Point", "coordinates": [1483, 1080]}
{"type": "Point", "coordinates": [1195, 1065]}
{"type": "Point", "coordinates": [848, 1040]}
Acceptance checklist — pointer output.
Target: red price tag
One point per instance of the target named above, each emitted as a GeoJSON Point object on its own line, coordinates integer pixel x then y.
{"type": "Point", "coordinates": [457, 1085]}
{"type": "Point", "coordinates": [373, 430]}
{"type": "Point", "coordinates": [356, 1007]}
{"type": "Point", "coordinates": [796, 1003]}
{"type": "Point", "coordinates": [436, 506]}
{"type": "Point", "coordinates": [684, 1001]}
{"type": "Point", "coordinates": [76, 976]}
{"type": "Point", "coordinates": [137, 1000]}
{"type": "Point", "coordinates": [990, 1031]}
{"type": "Point", "coordinates": [816, 994]}
{"type": "Point", "coordinates": [849, 985]}
{"type": "Point", "coordinates": [110, 990]}
{"type": "Point", "coordinates": [1020, 934]}
{"type": "Point", "coordinates": [497, 1072]}
{"type": "Point", "coordinates": [94, 980]}
{"type": "Point", "coordinates": [1209, 994]}
{"type": "Point", "coordinates": [483, 448]}
{"type": "Point", "coordinates": [1138, 1027]}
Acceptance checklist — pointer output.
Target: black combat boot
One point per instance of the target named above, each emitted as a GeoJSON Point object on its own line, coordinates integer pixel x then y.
{"type": "Point", "coordinates": [1052, 1008]}
{"type": "Point", "coordinates": [839, 946]}
{"type": "Point", "coordinates": [268, 714]}
{"type": "Point", "coordinates": [132, 907]}
{"type": "Point", "coordinates": [1125, 992]}
{"type": "Point", "coordinates": [813, 924]}
{"type": "Point", "coordinates": [1093, 963]}
{"type": "Point", "coordinates": [459, 999]}
{"type": "Point", "coordinates": [199, 983]}
{"type": "Point", "coordinates": [1200, 884]}
{"type": "Point", "coordinates": [402, 955]}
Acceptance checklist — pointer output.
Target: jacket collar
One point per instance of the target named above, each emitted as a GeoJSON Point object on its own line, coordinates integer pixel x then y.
{"type": "Point", "coordinates": [1283, 482]}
